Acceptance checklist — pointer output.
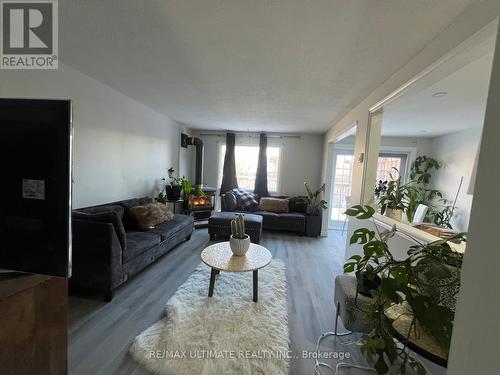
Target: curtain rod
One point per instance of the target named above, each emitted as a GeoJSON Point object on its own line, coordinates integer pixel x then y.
{"type": "Point", "coordinates": [250, 134]}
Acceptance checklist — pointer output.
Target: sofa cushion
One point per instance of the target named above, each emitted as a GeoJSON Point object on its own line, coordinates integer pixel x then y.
{"type": "Point", "coordinates": [273, 204]}
{"type": "Point", "coordinates": [104, 208]}
{"type": "Point", "coordinates": [105, 214]}
{"type": "Point", "coordinates": [129, 220]}
{"type": "Point", "coordinates": [285, 221]}
{"type": "Point", "coordinates": [229, 202]}
{"type": "Point", "coordinates": [151, 214]}
{"type": "Point", "coordinates": [138, 243]}
{"type": "Point", "coordinates": [169, 228]}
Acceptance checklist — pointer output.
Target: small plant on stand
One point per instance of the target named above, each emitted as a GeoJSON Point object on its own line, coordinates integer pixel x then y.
{"type": "Point", "coordinates": [239, 240]}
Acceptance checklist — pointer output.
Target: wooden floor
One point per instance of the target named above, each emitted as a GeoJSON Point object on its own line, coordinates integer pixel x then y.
{"type": "Point", "coordinates": [100, 333]}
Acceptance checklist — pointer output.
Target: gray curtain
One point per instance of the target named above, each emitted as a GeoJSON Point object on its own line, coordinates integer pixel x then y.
{"type": "Point", "coordinates": [261, 177]}
{"type": "Point", "coordinates": [229, 180]}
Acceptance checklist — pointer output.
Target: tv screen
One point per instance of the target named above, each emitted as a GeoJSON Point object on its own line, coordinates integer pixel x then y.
{"type": "Point", "coordinates": [35, 186]}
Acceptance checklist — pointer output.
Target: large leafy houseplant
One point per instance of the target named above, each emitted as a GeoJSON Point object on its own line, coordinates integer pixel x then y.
{"type": "Point", "coordinates": [315, 204]}
{"type": "Point", "coordinates": [414, 281]}
{"type": "Point", "coordinates": [420, 177]}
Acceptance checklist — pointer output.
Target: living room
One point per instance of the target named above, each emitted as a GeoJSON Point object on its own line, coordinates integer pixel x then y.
{"type": "Point", "coordinates": [216, 162]}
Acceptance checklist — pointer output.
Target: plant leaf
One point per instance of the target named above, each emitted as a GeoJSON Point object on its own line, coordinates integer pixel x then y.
{"type": "Point", "coordinates": [361, 236]}
{"type": "Point", "coordinates": [360, 212]}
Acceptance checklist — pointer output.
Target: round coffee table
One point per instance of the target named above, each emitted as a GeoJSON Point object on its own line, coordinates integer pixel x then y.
{"type": "Point", "coordinates": [220, 258]}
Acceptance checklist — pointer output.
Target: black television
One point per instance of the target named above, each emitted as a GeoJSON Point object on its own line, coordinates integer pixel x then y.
{"type": "Point", "coordinates": [35, 186]}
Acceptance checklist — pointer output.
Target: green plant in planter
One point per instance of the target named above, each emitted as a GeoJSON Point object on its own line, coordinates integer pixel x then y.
{"type": "Point", "coordinates": [238, 227]}
{"type": "Point", "coordinates": [188, 188]}
{"type": "Point", "coordinates": [315, 205]}
{"type": "Point", "coordinates": [395, 196]}
{"type": "Point", "coordinates": [175, 186]}
{"type": "Point", "coordinates": [414, 280]}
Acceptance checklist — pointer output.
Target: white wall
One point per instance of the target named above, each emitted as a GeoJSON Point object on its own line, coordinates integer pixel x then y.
{"type": "Point", "coordinates": [121, 147]}
{"type": "Point", "coordinates": [300, 160]}
{"type": "Point", "coordinates": [474, 347]}
{"type": "Point", "coordinates": [457, 151]}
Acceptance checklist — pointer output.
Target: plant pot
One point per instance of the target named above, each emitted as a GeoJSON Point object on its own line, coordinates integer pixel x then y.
{"type": "Point", "coordinates": [238, 246]}
{"type": "Point", "coordinates": [394, 213]}
{"type": "Point", "coordinates": [313, 225]}
{"type": "Point", "coordinates": [173, 192]}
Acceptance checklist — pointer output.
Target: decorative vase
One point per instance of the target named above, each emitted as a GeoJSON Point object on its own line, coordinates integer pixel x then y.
{"type": "Point", "coordinates": [394, 213]}
{"type": "Point", "coordinates": [239, 246]}
{"type": "Point", "coordinates": [173, 192]}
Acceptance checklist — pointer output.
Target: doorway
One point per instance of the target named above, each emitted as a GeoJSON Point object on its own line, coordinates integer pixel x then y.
{"type": "Point", "coordinates": [340, 197]}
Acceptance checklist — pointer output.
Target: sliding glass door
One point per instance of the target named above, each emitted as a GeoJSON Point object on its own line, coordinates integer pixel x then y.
{"type": "Point", "coordinates": [340, 198]}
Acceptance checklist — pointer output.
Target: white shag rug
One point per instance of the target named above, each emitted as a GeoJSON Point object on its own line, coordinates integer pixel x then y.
{"type": "Point", "coordinates": [225, 334]}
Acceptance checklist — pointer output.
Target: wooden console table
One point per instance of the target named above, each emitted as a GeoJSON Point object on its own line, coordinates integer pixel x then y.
{"type": "Point", "coordinates": [34, 325]}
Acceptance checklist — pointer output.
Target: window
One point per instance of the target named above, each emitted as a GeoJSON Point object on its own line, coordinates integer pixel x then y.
{"type": "Point", "coordinates": [388, 161]}
{"type": "Point", "coordinates": [246, 166]}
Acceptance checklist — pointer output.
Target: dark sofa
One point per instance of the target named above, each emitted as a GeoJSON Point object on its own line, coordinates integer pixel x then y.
{"type": "Point", "coordinates": [109, 247]}
{"type": "Point", "coordinates": [292, 221]}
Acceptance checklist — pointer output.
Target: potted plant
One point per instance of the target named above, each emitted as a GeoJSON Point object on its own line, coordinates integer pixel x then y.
{"type": "Point", "coordinates": [315, 207]}
{"type": "Point", "coordinates": [173, 188]}
{"type": "Point", "coordinates": [426, 283]}
{"type": "Point", "coordinates": [239, 242]}
{"type": "Point", "coordinates": [420, 176]}
{"type": "Point", "coordinates": [394, 201]}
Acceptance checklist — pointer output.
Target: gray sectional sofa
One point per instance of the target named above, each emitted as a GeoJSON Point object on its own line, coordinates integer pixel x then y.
{"type": "Point", "coordinates": [109, 247]}
{"type": "Point", "coordinates": [292, 221]}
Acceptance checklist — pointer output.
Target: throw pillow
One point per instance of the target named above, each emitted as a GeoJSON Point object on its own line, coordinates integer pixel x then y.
{"type": "Point", "coordinates": [229, 202]}
{"type": "Point", "coordinates": [298, 204]}
{"type": "Point", "coordinates": [110, 216]}
{"type": "Point", "coordinates": [151, 214]}
{"type": "Point", "coordinates": [167, 213]}
{"type": "Point", "coordinates": [274, 204]}
{"type": "Point", "coordinates": [246, 201]}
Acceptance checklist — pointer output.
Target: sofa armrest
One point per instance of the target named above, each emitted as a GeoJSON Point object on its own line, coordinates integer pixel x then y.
{"type": "Point", "coordinates": [97, 255]}
{"type": "Point", "coordinates": [97, 240]}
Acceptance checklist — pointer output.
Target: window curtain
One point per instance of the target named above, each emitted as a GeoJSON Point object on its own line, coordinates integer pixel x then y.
{"type": "Point", "coordinates": [261, 176]}
{"type": "Point", "coordinates": [229, 180]}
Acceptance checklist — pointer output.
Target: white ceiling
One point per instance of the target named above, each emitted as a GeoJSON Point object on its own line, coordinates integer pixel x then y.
{"type": "Point", "coordinates": [274, 65]}
{"type": "Point", "coordinates": [416, 113]}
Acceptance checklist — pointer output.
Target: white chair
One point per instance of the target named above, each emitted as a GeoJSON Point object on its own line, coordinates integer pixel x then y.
{"type": "Point", "coordinates": [420, 213]}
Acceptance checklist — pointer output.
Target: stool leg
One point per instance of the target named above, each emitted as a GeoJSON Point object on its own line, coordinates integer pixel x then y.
{"type": "Point", "coordinates": [318, 364]}
{"type": "Point", "coordinates": [335, 333]}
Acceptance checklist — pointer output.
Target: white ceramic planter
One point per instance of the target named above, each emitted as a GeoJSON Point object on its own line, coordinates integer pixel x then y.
{"type": "Point", "coordinates": [239, 247]}
{"type": "Point", "coordinates": [396, 214]}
